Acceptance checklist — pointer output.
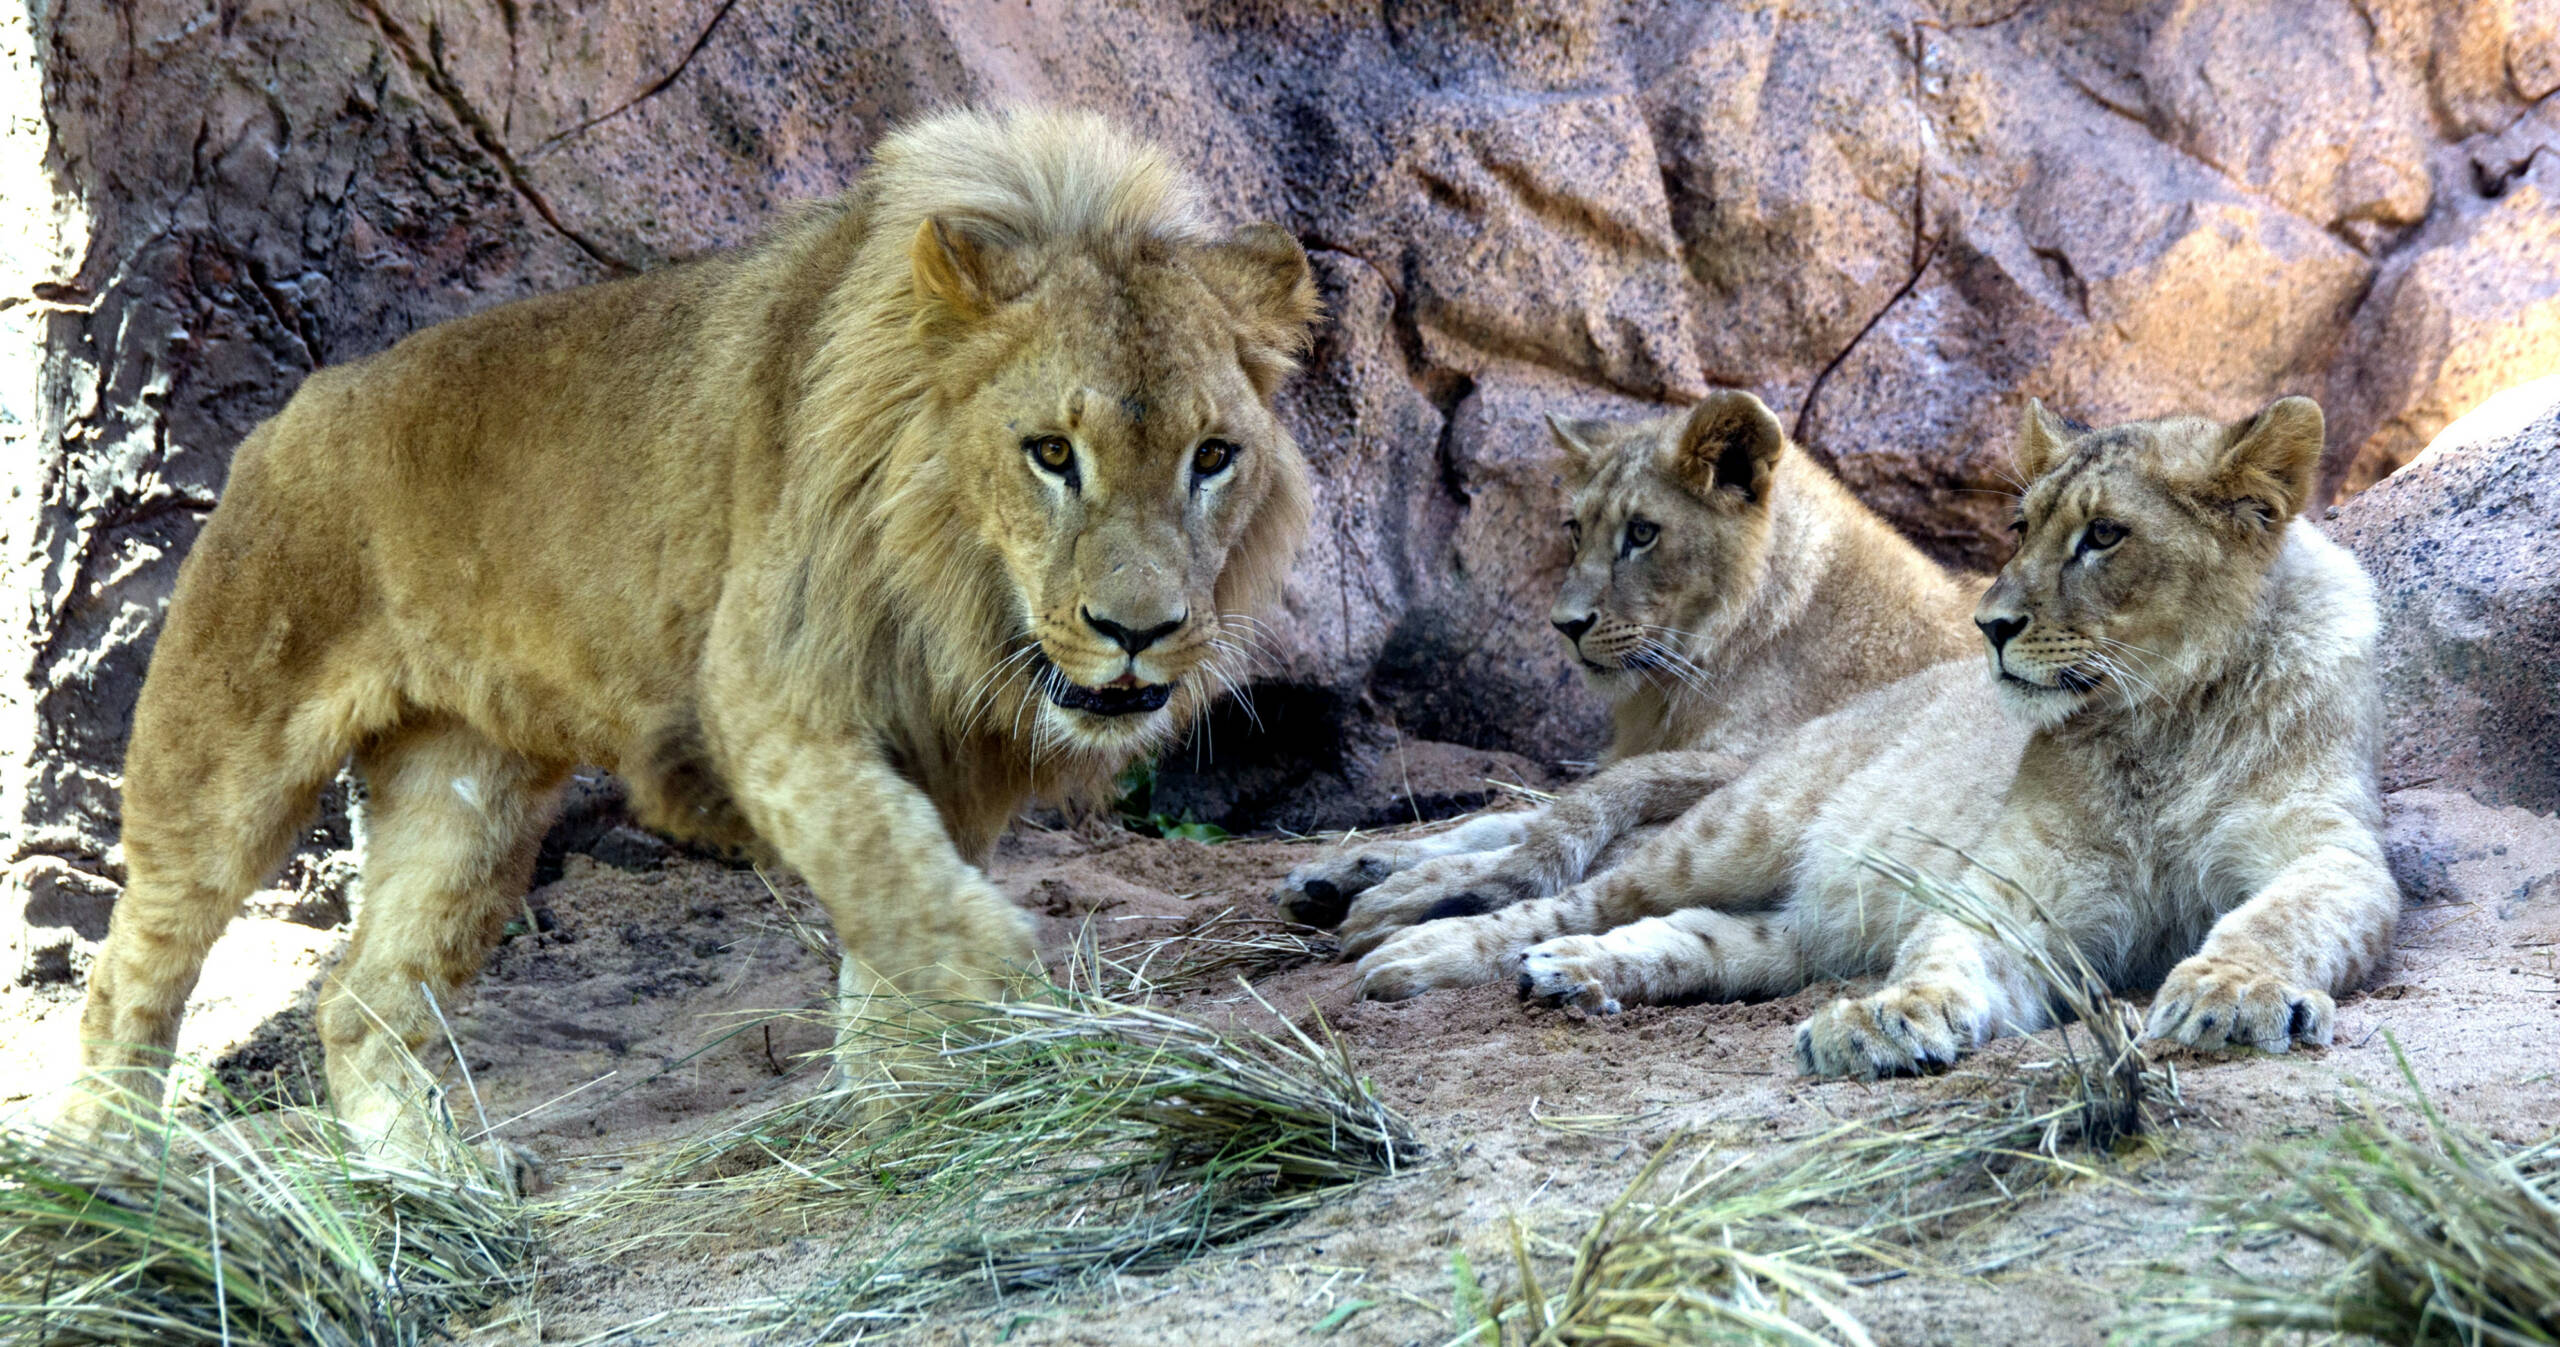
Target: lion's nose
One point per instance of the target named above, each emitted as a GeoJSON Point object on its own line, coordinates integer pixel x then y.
{"type": "Point", "coordinates": [1573, 627]}
{"type": "Point", "coordinates": [1126, 639]}
{"type": "Point", "coordinates": [2000, 629]}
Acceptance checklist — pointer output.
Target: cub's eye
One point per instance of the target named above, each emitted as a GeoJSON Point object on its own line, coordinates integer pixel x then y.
{"type": "Point", "coordinates": [1573, 531]}
{"type": "Point", "coordinates": [2018, 526]}
{"type": "Point", "coordinates": [2101, 535]}
{"type": "Point", "coordinates": [1212, 458]}
{"type": "Point", "coordinates": [1641, 533]}
{"type": "Point", "coordinates": [1051, 452]}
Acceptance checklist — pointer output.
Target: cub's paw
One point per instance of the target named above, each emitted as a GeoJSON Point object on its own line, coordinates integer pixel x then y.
{"type": "Point", "coordinates": [1432, 957]}
{"type": "Point", "coordinates": [1899, 1031]}
{"type": "Point", "coordinates": [2219, 1003]}
{"type": "Point", "coordinates": [1319, 892]}
{"type": "Point", "coordinates": [1571, 970]}
{"type": "Point", "coordinates": [1436, 890]}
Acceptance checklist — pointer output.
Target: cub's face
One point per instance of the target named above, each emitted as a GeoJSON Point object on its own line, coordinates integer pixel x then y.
{"type": "Point", "coordinates": [2141, 549]}
{"type": "Point", "coordinates": [1129, 471]}
{"type": "Point", "coordinates": [1668, 525]}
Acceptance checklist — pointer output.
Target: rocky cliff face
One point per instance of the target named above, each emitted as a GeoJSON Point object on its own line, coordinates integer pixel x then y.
{"type": "Point", "coordinates": [1893, 220]}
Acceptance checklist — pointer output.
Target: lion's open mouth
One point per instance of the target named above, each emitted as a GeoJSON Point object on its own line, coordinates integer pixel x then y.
{"type": "Point", "coordinates": [1109, 701]}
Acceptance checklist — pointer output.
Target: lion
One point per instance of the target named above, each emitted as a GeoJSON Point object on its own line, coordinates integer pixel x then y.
{"type": "Point", "coordinates": [943, 497]}
{"type": "Point", "coordinates": [1724, 588]}
{"type": "Point", "coordinates": [2170, 767]}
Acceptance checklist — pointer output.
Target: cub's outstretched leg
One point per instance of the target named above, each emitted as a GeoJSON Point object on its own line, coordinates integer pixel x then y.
{"type": "Point", "coordinates": [452, 824]}
{"type": "Point", "coordinates": [1694, 952]}
{"type": "Point", "coordinates": [1550, 849]}
{"type": "Point", "coordinates": [1732, 849]}
{"type": "Point", "coordinates": [1320, 892]}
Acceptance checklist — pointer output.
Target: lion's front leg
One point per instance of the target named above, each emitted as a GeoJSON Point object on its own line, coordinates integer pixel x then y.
{"type": "Point", "coordinates": [1950, 990]}
{"type": "Point", "coordinates": [921, 929]}
{"type": "Point", "coordinates": [2270, 968]}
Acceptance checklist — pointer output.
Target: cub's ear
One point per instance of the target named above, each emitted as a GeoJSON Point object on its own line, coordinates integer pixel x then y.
{"type": "Point", "coordinates": [1263, 275]}
{"type": "Point", "coordinates": [2269, 461]}
{"type": "Point", "coordinates": [1729, 443]}
{"type": "Point", "coordinates": [1585, 442]}
{"type": "Point", "coordinates": [2041, 440]}
{"type": "Point", "coordinates": [955, 269]}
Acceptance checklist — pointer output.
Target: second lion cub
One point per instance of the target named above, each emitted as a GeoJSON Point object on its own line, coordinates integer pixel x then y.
{"type": "Point", "coordinates": [1724, 589]}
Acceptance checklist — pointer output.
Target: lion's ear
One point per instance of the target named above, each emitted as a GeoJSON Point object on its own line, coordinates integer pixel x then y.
{"type": "Point", "coordinates": [2042, 436]}
{"type": "Point", "coordinates": [1729, 443]}
{"type": "Point", "coordinates": [955, 269]}
{"type": "Point", "coordinates": [1584, 442]}
{"type": "Point", "coordinates": [1263, 275]}
{"type": "Point", "coordinates": [2269, 462]}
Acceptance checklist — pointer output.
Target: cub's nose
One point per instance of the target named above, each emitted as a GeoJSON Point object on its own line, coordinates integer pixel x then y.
{"type": "Point", "coordinates": [1127, 639]}
{"type": "Point", "coordinates": [1573, 627]}
{"type": "Point", "coordinates": [1999, 629]}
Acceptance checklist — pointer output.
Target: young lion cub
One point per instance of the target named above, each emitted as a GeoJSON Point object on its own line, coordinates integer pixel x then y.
{"type": "Point", "coordinates": [2186, 758]}
{"type": "Point", "coordinates": [1724, 589]}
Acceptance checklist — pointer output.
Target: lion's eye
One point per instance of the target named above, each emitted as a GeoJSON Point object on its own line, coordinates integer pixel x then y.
{"type": "Point", "coordinates": [1573, 531]}
{"type": "Point", "coordinates": [1052, 452]}
{"type": "Point", "coordinates": [2018, 526]}
{"type": "Point", "coordinates": [2101, 535]}
{"type": "Point", "coordinates": [1641, 533]}
{"type": "Point", "coordinates": [1212, 458]}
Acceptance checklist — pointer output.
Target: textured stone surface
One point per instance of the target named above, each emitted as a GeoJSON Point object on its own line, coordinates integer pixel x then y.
{"type": "Point", "coordinates": [2463, 548]}
{"type": "Point", "coordinates": [1892, 220]}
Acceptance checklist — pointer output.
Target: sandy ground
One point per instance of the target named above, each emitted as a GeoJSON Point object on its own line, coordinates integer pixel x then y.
{"type": "Point", "coordinates": [636, 1008]}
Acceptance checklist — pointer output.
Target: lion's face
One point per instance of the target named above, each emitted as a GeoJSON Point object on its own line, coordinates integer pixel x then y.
{"type": "Point", "coordinates": [2141, 549]}
{"type": "Point", "coordinates": [1123, 455]}
{"type": "Point", "coordinates": [1670, 518]}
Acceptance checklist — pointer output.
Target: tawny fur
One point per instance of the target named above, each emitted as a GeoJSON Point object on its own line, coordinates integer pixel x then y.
{"type": "Point", "coordinates": [2171, 768]}
{"type": "Point", "coordinates": [769, 535]}
{"type": "Point", "coordinates": [1754, 594]}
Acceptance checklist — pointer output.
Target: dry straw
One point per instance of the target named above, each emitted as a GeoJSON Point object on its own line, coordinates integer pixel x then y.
{"type": "Point", "coordinates": [1197, 955]}
{"type": "Point", "coordinates": [1031, 1146]}
{"type": "Point", "coordinates": [1768, 1248]}
{"type": "Point", "coordinates": [2449, 1237]}
{"type": "Point", "coordinates": [264, 1230]}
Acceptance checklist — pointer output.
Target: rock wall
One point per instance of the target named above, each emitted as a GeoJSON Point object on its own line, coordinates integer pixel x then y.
{"type": "Point", "coordinates": [1891, 219]}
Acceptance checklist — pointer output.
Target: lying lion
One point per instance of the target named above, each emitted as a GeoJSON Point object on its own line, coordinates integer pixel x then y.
{"type": "Point", "coordinates": [2170, 765]}
{"type": "Point", "coordinates": [1725, 589]}
{"type": "Point", "coordinates": [838, 548]}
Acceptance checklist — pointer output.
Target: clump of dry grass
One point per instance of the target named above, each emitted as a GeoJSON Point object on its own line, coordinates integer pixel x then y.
{"type": "Point", "coordinates": [1030, 1145]}
{"type": "Point", "coordinates": [267, 1229]}
{"type": "Point", "coordinates": [1765, 1248]}
{"type": "Point", "coordinates": [2448, 1237]}
{"type": "Point", "coordinates": [1196, 955]}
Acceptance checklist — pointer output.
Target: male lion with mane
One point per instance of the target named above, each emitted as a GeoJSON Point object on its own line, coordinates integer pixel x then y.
{"type": "Point", "coordinates": [839, 548]}
{"type": "Point", "coordinates": [2169, 767]}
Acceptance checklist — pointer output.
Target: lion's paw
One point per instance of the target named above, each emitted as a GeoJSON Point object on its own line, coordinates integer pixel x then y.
{"type": "Point", "coordinates": [2222, 1003]}
{"type": "Point", "coordinates": [1904, 1029]}
{"type": "Point", "coordinates": [1433, 957]}
{"type": "Point", "coordinates": [1320, 892]}
{"type": "Point", "coordinates": [1570, 970]}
